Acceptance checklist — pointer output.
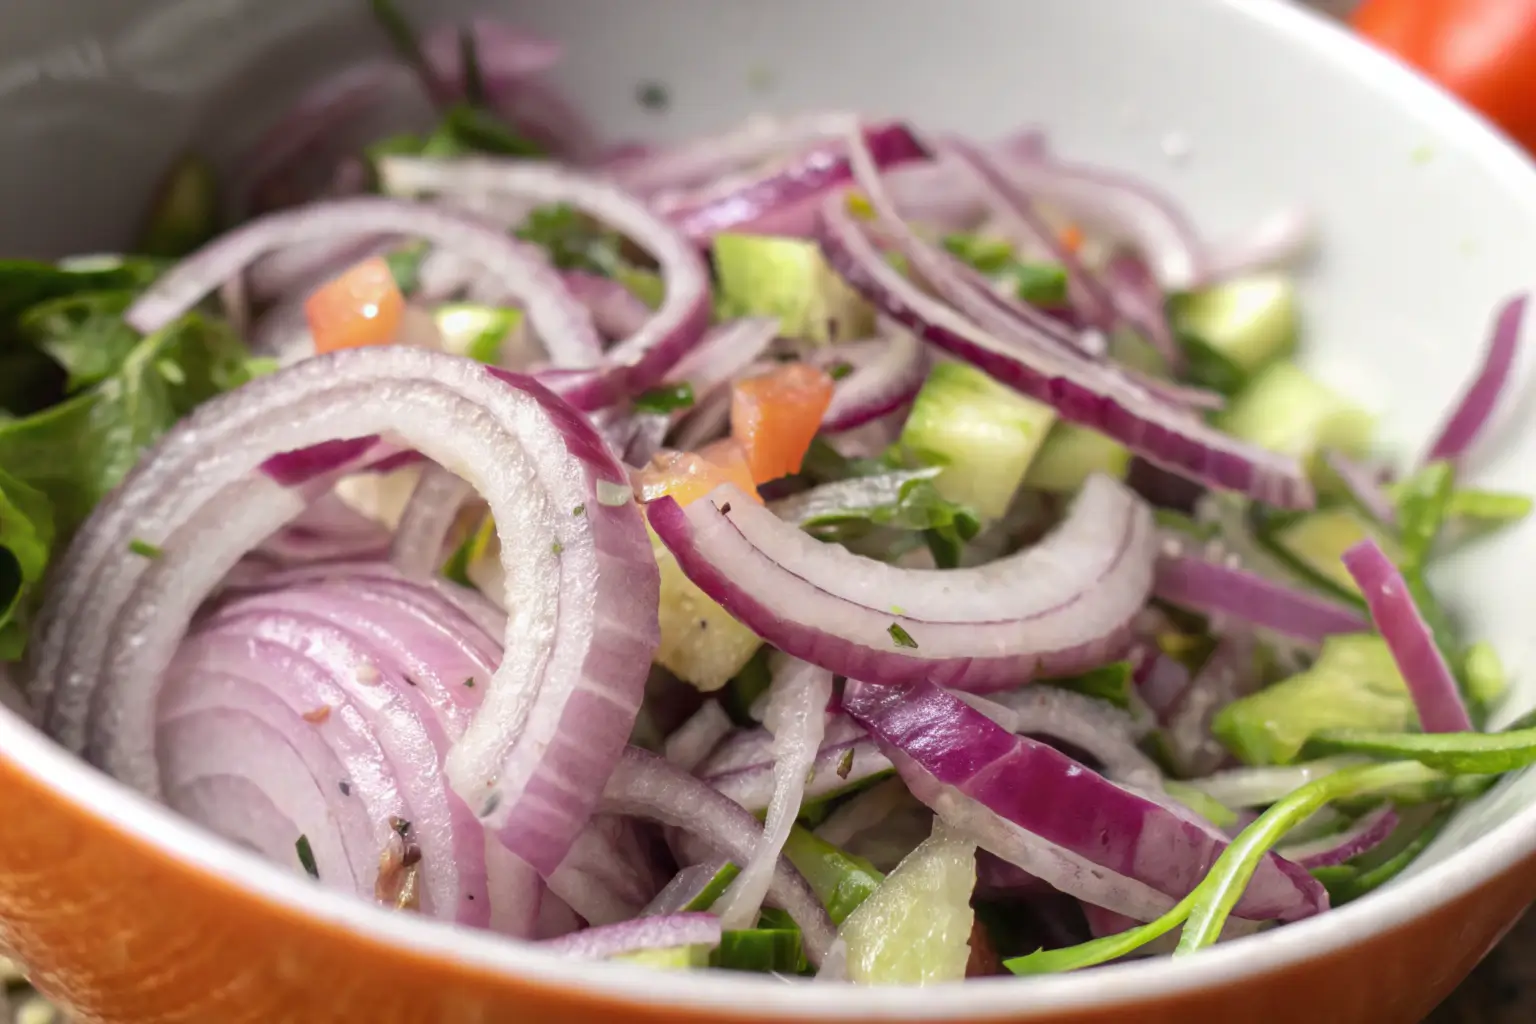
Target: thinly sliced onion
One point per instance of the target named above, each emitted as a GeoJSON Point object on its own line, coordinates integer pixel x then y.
{"type": "Point", "coordinates": [1058, 608]}
{"type": "Point", "coordinates": [1364, 486]}
{"type": "Point", "coordinates": [855, 496]}
{"type": "Point", "coordinates": [753, 142]}
{"type": "Point", "coordinates": [864, 811]}
{"type": "Point", "coordinates": [796, 718]}
{"type": "Point", "coordinates": [616, 310]}
{"type": "Point", "coordinates": [1220, 589]}
{"type": "Point", "coordinates": [783, 200]}
{"type": "Point", "coordinates": [1021, 800]}
{"type": "Point", "coordinates": [609, 874]}
{"type": "Point", "coordinates": [1263, 785]}
{"type": "Point", "coordinates": [1280, 239]}
{"type": "Point", "coordinates": [639, 935]}
{"type": "Point", "coordinates": [643, 358]}
{"type": "Point", "coordinates": [1097, 728]}
{"type": "Point", "coordinates": [525, 278]}
{"type": "Point", "coordinates": [887, 374]}
{"type": "Point", "coordinates": [1081, 391]}
{"type": "Point", "coordinates": [693, 741]}
{"type": "Point", "coordinates": [1472, 413]}
{"type": "Point", "coordinates": [299, 269]}
{"type": "Point", "coordinates": [1160, 680]}
{"type": "Point", "coordinates": [742, 767]}
{"type": "Point", "coordinates": [428, 519]}
{"type": "Point", "coordinates": [1231, 671]}
{"type": "Point", "coordinates": [644, 785]}
{"type": "Point", "coordinates": [1369, 832]}
{"type": "Point", "coordinates": [580, 575]}
{"type": "Point", "coordinates": [1430, 680]}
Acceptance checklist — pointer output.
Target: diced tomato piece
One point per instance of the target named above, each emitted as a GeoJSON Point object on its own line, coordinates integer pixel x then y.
{"type": "Point", "coordinates": [361, 307]}
{"type": "Point", "coordinates": [1071, 238]}
{"type": "Point", "coordinates": [688, 476]}
{"type": "Point", "coordinates": [776, 416]}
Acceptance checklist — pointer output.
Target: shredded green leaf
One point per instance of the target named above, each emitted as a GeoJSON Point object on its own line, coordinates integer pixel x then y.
{"type": "Point", "coordinates": [1456, 753]}
{"type": "Point", "coordinates": [666, 398]}
{"type": "Point", "coordinates": [901, 637]}
{"type": "Point", "coordinates": [1110, 683]}
{"type": "Point", "coordinates": [144, 549]}
{"type": "Point", "coordinates": [26, 539]}
{"type": "Point", "coordinates": [307, 856]}
{"type": "Point", "coordinates": [573, 240]}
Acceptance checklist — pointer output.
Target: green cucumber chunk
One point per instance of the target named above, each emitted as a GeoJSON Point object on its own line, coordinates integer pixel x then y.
{"type": "Point", "coordinates": [1249, 322]}
{"type": "Point", "coordinates": [787, 278]}
{"type": "Point", "coordinates": [1286, 411]}
{"type": "Point", "coordinates": [1070, 455]}
{"type": "Point", "coordinates": [1317, 541]}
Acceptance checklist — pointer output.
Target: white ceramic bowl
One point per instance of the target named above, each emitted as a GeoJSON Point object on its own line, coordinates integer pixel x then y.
{"type": "Point", "coordinates": [1428, 219]}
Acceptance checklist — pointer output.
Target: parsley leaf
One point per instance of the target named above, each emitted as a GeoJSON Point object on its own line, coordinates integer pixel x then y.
{"type": "Point", "coordinates": [26, 537]}
{"type": "Point", "coordinates": [573, 240]}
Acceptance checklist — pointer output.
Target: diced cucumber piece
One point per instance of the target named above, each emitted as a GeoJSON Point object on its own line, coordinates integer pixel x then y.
{"type": "Point", "coordinates": [840, 880]}
{"type": "Point", "coordinates": [765, 950]}
{"type": "Point", "coordinates": [1070, 455]}
{"type": "Point", "coordinates": [1286, 411]}
{"type": "Point", "coordinates": [677, 958]}
{"type": "Point", "coordinates": [1485, 675]}
{"type": "Point", "coordinates": [701, 643]}
{"type": "Point", "coordinates": [1316, 542]}
{"type": "Point", "coordinates": [984, 434]}
{"type": "Point", "coordinates": [1354, 684]}
{"type": "Point", "coordinates": [787, 278]}
{"type": "Point", "coordinates": [478, 332]}
{"type": "Point", "coordinates": [645, 285]}
{"type": "Point", "coordinates": [916, 928]}
{"type": "Point", "coordinates": [1250, 321]}
{"type": "Point", "coordinates": [1209, 808]}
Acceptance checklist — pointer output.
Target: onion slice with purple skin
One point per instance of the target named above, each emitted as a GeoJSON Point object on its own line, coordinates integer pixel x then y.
{"type": "Point", "coordinates": [640, 360]}
{"type": "Point", "coordinates": [1364, 486]}
{"type": "Point", "coordinates": [645, 786]}
{"type": "Point", "coordinates": [609, 875]}
{"type": "Point", "coordinates": [637, 936]}
{"type": "Point", "coordinates": [783, 200]}
{"type": "Point", "coordinates": [796, 718]}
{"type": "Point", "coordinates": [754, 142]}
{"type": "Point", "coordinates": [742, 767]}
{"type": "Point", "coordinates": [1058, 608]}
{"type": "Point", "coordinates": [692, 742]}
{"type": "Point", "coordinates": [524, 276]}
{"type": "Point", "coordinates": [1430, 680]}
{"type": "Point", "coordinates": [1202, 586]}
{"type": "Point", "coordinates": [1369, 832]}
{"type": "Point", "coordinates": [887, 374]}
{"type": "Point", "coordinates": [1081, 391]}
{"type": "Point", "coordinates": [1472, 413]}
{"type": "Point", "coordinates": [1093, 726]}
{"type": "Point", "coordinates": [1023, 800]}
{"type": "Point", "coordinates": [428, 519]}
{"type": "Point", "coordinates": [580, 574]}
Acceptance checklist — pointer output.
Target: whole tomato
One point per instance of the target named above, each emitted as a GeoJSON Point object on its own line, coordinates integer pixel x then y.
{"type": "Point", "coordinates": [1484, 51]}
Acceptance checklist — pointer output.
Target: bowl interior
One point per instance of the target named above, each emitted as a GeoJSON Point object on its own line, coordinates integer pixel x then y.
{"type": "Point", "coordinates": [1237, 107]}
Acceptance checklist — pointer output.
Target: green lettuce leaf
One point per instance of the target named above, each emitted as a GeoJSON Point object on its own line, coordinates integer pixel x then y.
{"type": "Point", "coordinates": [26, 537]}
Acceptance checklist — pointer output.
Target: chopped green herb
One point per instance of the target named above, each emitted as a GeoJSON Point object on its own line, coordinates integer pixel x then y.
{"type": "Point", "coordinates": [403, 38]}
{"type": "Point", "coordinates": [1039, 284]}
{"type": "Point", "coordinates": [307, 857]}
{"type": "Point", "coordinates": [986, 254]}
{"type": "Point", "coordinates": [653, 96]}
{"type": "Point", "coordinates": [405, 266]}
{"type": "Point", "coordinates": [579, 510]}
{"type": "Point", "coordinates": [837, 371]}
{"type": "Point", "coordinates": [557, 547]}
{"type": "Point", "coordinates": [479, 130]}
{"type": "Point", "coordinates": [26, 540]}
{"type": "Point", "coordinates": [1110, 683]}
{"type": "Point", "coordinates": [901, 637]}
{"type": "Point", "coordinates": [144, 549]}
{"type": "Point", "coordinates": [469, 681]}
{"type": "Point", "coordinates": [845, 764]}
{"type": "Point", "coordinates": [664, 399]}
{"type": "Point", "coordinates": [469, 60]}
{"type": "Point", "coordinates": [573, 240]}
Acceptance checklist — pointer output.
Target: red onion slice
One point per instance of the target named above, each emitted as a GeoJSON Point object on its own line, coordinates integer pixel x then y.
{"type": "Point", "coordinates": [643, 358]}
{"type": "Point", "coordinates": [783, 200]}
{"type": "Point", "coordinates": [639, 935]}
{"type": "Point", "coordinates": [1364, 835]}
{"type": "Point", "coordinates": [796, 718]}
{"type": "Point", "coordinates": [887, 374]}
{"type": "Point", "coordinates": [427, 521]}
{"type": "Point", "coordinates": [1009, 792]}
{"type": "Point", "coordinates": [1364, 486]}
{"type": "Point", "coordinates": [524, 277]}
{"type": "Point", "coordinates": [742, 767]}
{"type": "Point", "coordinates": [609, 875]}
{"type": "Point", "coordinates": [1093, 726]}
{"type": "Point", "coordinates": [1058, 608]}
{"type": "Point", "coordinates": [1429, 678]}
{"type": "Point", "coordinates": [692, 742]}
{"type": "Point", "coordinates": [579, 570]}
{"type": "Point", "coordinates": [1230, 672]}
{"type": "Point", "coordinates": [645, 786]}
{"type": "Point", "coordinates": [1092, 394]}
{"type": "Point", "coordinates": [1219, 589]}
{"type": "Point", "coordinates": [1472, 413]}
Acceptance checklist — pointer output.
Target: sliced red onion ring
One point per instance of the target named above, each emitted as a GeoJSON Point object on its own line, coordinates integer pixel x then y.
{"type": "Point", "coordinates": [1280, 239]}
{"type": "Point", "coordinates": [1092, 394]}
{"type": "Point", "coordinates": [693, 741]}
{"type": "Point", "coordinates": [1364, 486]}
{"type": "Point", "coordinates": [645, 786]}
{"type": "Point", "coordinates": [1472, 413]}
{"type": "Point", "coordinates": [1364, 835]}
{"type": "Point", "coordinates": [610, 874]}
{"type": "Point", "coordinates": [643, 358]}
{"type": "Point", "coordinates": [845, 497]}
{"type": "Point", "coordinates": [1262, 785]}
{"type": "Point", "coordinates": [887, 374]}
{"type": "Point", "coordinates": [427, 521]}
{"type": "Point", "coordinates": [1058, 608]}
{"type": "Point", "coordinates": [525, 278]}
{"type": "Point", "coordinates": [742, 767]}
{"type": "Point", "coordinates": [1219, 589]}
{"type": "Point", "coordinates": [783, 200]}
{"type": "Point", "coordinates": [639, 935]}
{"type": "Point", "coordinates": [1160, 680]}
{"type": "Point", "coordinates": [299, 269]}
{"type": "Point", "coordinates": [579, 571]}
{"type": "Point", "coordinates": [1022, 800]}
{"type": "Point", "coordinates": [1430, 681]}
{"type": "Point", "coordinates": [1230, 672]}
{"type": "Point", "coordinates": [686, 886]}
{"type": "Point", "coordinates": [1097, 728]}
{"type": "Point", "coordinates": [865, 810]}
{"type": "Point", "coordinates": [796, 718]}
{"type": "Point", "coordinates": [616, 310]}
{"type": "Point", "coordinates": [755, 141]}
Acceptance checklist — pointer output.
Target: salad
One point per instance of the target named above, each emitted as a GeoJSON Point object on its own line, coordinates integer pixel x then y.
{"type": "Point", "coordinates": [827, 548]}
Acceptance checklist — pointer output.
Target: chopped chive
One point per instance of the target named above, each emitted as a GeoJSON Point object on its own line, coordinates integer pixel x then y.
{"type": "Point", "coordinates": [144, 548]}
{"type": "Point", "coordinates": [845, 764]}
{"type": "Point", "coordinates": [469, 59]}
{"type": "Point", "coordinates": [667, 398]}
{"type": "Point", "coordinates": [470, 682]}
{"type": "Point", "coordinates": [557, 547]}
{"type": "Point", "coordinates": [579, 510]}
{"type": "Point", "coordinates": [837, 371]}
{"type": "Point", "coordinates": [307, 857]}
{"type": "Point", "coordinates": [901, 636]}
